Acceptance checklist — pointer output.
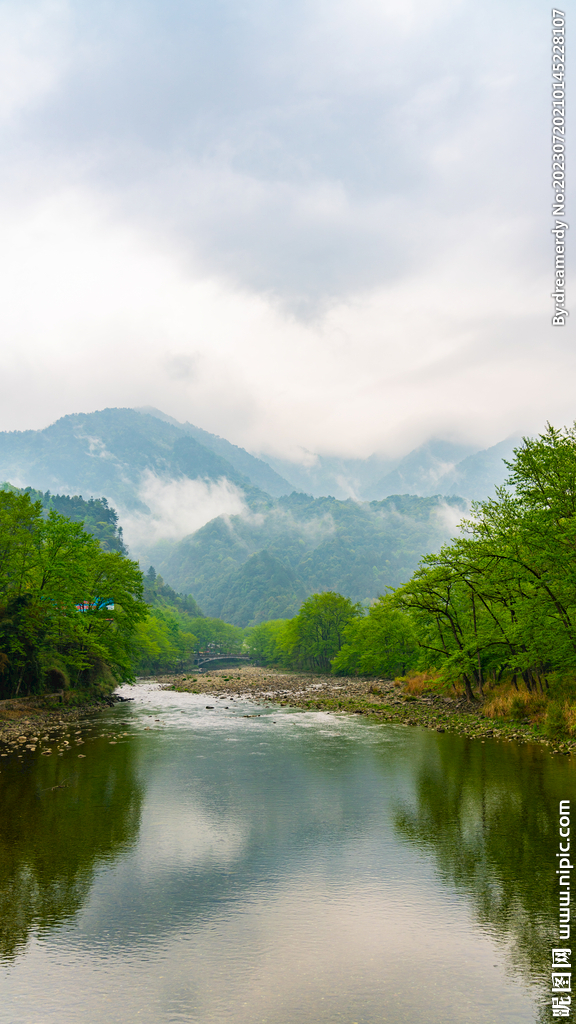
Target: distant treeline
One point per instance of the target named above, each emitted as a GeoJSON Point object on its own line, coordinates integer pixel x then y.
{"type": "Point", "coordinates": [97, 517]}
{"type": "Point", "coordinates": [332, 634]}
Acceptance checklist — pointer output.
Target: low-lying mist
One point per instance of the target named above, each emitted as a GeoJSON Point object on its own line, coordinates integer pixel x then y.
{"type": "Point", "coordinates": [177, 508]}
{"type": "Point", "coordinates": [253, 565]}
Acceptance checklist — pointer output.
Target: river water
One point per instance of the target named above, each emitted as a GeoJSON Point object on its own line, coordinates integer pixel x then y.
{"type": "Point", "coordinates": [270, 866]}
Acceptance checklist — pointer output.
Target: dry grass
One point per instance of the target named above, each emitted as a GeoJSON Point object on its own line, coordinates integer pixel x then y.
{"type": "Point", "coordinates": [416, 683]}
{"type": "Point", "coordinates": [509, 703]}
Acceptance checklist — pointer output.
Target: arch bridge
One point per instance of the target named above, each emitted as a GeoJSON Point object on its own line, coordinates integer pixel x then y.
{"type": "Point", "coordinates": [203, 658]}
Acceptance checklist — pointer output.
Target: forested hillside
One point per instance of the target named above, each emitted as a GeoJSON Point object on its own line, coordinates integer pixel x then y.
{"type": "Point", "coordinates": [98, 518]}
{"type": "Point", "coordinates": [69, 610]}
{"type": "Point", "coordinates": [109, 452]}
{"type": "Point", "coordinates": [258, 471]}
{"type": "Point", "coordinates": [246, 569]}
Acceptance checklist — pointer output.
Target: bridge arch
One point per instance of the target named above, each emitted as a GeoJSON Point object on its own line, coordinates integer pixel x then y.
{"type": "Point", "coordinates": [203, 659]}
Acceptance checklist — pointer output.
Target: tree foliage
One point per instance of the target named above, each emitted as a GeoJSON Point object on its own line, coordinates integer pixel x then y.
{"type": "Point", "coordinates": [316, 634]}
{"type": "Point", "coordinates": [96, 516]}
{"type": "Point", "coordinates": [266, 643]}
{"type": "Point", "coordinates": [68, 609]}
{"type": "Point", "coordinates": [169, 640]}
{"type": "Point", "coordinates": [164, 642]}
{"type": "Point", "coordinates": [381, 643]}
{"type": "Point", "coordinates": [158, 594]}
{"type": "Point", "coordinates": [502, 598]}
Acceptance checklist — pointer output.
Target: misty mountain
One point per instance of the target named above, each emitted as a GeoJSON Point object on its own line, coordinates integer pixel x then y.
{"type": "Point", "coordinates": [439, 467]}
{"type": "Point", "coordinates": [251, 567]}
{"type": "Point", "coordinates": [478, 475]}
{"type": "Point", "coordinates": [260, 473]}
{"type": "Point", "coordinates": [336, 477]}
{"type": "Point", "coordinates": [436, 467]}
{"type": "Point", "coordinates": [109, 452]}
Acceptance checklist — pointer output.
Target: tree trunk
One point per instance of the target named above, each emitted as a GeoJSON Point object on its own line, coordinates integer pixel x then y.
{"type": "Point", "coordinates": [468, 688]}
{"type": "Point", "coordinates": [477, 648]}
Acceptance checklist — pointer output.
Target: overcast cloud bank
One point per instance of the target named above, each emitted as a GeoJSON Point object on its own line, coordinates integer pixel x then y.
{"type": "Point", "coordinates": [307, 227]}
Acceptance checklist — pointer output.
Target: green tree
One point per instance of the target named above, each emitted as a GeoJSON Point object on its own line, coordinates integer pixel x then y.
{"type": "Point", "coordinates": [68, 609]}
{"type": "Point", "coordinates": [315, 636]}
{"type": "Point", "coordinates": [217, 637]}
{"type": "Point", "coordinates": [502, 598]}
{"type": "Point", "coordinates": [382, 643]}
{"type": "Point", "coordinates": [163, 642]}
{"type": "Point", "coordinates": [265, 641]}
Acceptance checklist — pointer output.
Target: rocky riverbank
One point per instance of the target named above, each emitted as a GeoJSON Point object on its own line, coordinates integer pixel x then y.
{"type": "Point", "coordinates": [379, 699]}
{"type": "Point", "coordinates": [24, 720]}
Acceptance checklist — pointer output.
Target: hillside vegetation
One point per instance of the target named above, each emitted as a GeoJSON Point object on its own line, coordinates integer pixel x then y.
{"type": "Point", "coordinates": [493, 612]}
{"type": "Point", "coordinates": [98, 518]}
{"type": "Point", "coordinates": [247, 569]}
{"type": "Point", "coordinates": [68, 608]}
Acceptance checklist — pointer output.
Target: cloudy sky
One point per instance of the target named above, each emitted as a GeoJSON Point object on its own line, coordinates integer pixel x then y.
{"type": "Point", "coordinates": [305, 225]}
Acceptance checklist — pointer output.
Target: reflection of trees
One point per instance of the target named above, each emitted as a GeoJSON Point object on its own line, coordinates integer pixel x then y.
{"type": "Point", "coordinates": [51, 839]}
{"type": "Point", "coordinates": [489, 813]}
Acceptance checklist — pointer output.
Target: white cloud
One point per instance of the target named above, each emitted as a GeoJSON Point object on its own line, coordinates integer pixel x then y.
{"type": "Point", "coordinates": [34, 48]}
{"type": "Point", "coordinates": [326, 230]}
{"type": "Point", "coordinates": [177, 508]}
{"type": "Point", "coordinates": [189, 837]}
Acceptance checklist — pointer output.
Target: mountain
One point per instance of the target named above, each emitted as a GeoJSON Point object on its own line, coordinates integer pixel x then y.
{"type": "Point", "coordinates": [109, 453]}
{"type": "Point", "coordinates": [445, 468]}
{"type": "Point", "coordinates": [261, 547]}
{"type": "Point", "coordinates": [260, 473]}
{"type": "Point", "coordinates": [248, 568]}
{"type": "Point", "coordinates": [263, 588]}
{"type": "Point", "coordinates": [338, 477]}
{"type": "Point", "coordinates": [477, 476]}
{"type": "Point", "coordinates": [436, 467]}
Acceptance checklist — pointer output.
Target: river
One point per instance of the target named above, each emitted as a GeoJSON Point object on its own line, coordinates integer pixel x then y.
{"type": "Point", "coordinates": [259, 865]}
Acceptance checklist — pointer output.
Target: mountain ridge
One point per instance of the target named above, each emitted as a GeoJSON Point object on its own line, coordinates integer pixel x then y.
{"type": "Point", "coordinates": [193, 505]}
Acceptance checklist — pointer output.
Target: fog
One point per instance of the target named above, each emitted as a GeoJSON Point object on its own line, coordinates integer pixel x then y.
{"type": "Point", "coordinates": [177, 508]}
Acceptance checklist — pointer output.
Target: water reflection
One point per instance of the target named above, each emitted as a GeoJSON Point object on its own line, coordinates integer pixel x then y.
{"type": "Point", "coordinates": [489, 815]}
{"type": "Point", "coordinates": [60, 818]}
{"type": "Point", "coordinates": [282, 873]}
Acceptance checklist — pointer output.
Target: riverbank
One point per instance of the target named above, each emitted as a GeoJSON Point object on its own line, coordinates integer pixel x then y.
{"type": "Point", "coordinates": [23, 719]}
{"type": "Point", "coordinates": [379, 699]}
